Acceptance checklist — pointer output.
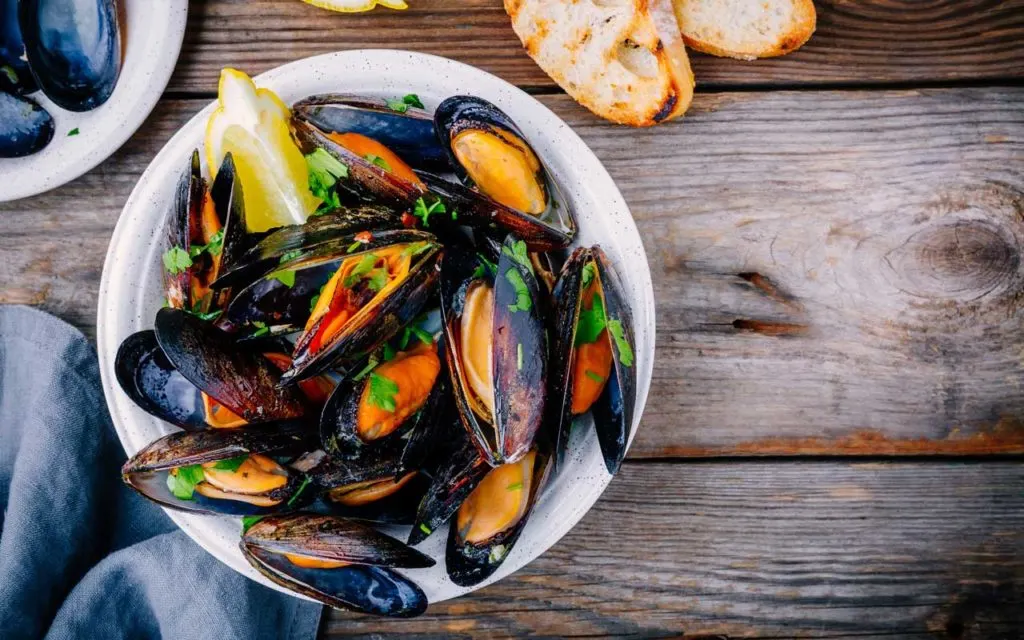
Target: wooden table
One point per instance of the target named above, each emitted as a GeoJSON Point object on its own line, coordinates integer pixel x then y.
{"type": "Point", "coordinates": [832, 442]}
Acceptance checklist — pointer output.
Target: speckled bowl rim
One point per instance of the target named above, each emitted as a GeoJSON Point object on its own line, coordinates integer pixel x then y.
{"type": "Point", "coordinates": [131, 292]}
{"type": "Point", "coordinates": [154, 33]}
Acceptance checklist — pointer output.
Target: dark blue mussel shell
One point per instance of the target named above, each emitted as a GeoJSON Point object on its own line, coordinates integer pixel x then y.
{"type": "Point", "coordinates": [14, 72]}
{"type": "Point", "coordinates": [73, 48]}
{"type": "Point", "coordinates": [25, 127]}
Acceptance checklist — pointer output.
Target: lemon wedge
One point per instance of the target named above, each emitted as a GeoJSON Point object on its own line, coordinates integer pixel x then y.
{"type": "Point", "coordinates": [355, 6]}
{"type": "Point", "coordinates": [252, 125]}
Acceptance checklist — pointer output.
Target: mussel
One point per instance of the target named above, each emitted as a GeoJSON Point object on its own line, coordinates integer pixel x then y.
{"type": "Point", "coordinates": [405, 129]}
{"type": "Point", "coordinates": [73, 48]}
{"type": "Point", "coordinates": [25, 127]}
{"type": "Point", "coordinates": [496, 348]}
{"type": "Point", "coordinates": [488, 523]}
{"type": "Point", "coordinates": [152, 382]}
{"type": "Point", "coordinates": [457, 469]}
{"type": "Point", "coordinates": [339, 562]}
{"type": "Point", "coordinates": [15, 76]}
{"type": "Point", "coordinates": [504, 181]}
{"type": "Point", "coordinates": [594, 363]}
{"type": "Point", "coordinates": [234, 472]}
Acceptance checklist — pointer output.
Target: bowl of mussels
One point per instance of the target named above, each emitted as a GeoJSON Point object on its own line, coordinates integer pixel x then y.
{"type": "Point", "coordinates": [376, 329]}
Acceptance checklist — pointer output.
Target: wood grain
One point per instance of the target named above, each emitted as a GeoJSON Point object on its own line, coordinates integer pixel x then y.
{"type": "Point", "coordinates": [808, 549]}
{"type": "Point", "coordinates": [870, 41]}
{"type": "Point", "coordinates": [836, 272]}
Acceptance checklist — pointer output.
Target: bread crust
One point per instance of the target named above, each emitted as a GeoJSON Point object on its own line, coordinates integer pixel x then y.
{"type": "Point", "coordinates": [801, 25]}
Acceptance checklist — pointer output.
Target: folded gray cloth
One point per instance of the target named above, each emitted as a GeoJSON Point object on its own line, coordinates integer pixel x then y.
{"type": "Point", "coordinates": [81, 555]}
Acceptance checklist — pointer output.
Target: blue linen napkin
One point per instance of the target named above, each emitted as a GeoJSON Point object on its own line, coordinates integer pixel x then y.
{"type": "Point", "coordinates": [81, 555]}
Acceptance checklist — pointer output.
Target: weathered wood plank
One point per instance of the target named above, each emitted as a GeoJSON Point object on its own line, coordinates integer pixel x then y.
{"type": "Point", "coordinates": [765, 550]}
{"type": "Point", "coordinates": [874, 41]}
{"type": "Point", "coordinates": [836, 272]}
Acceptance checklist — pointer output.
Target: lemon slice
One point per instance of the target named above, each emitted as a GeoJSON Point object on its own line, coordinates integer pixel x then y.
{"type": "Point", "coordinates": [355, 6]}
{"type": "Point", "coordinates": [252, 125]}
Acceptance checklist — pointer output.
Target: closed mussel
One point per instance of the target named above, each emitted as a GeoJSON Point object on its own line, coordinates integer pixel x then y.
{"type": "Point", "coordinates": [25, 127]}
{"type": "Point", "coordinates": [73, 48]}
{"type": "Point", "coordinates": [234, 472]}
{"type": "Point", "coordinates": [594, 368]}
{"type": "Point", "coordinates": [496, 349]}
{"type": "Point", "coordinates": [15, 76]}
{"type": "Point", "coordinates": [339, 562]}
{"type": "Point", "coordinates": [503, 179]}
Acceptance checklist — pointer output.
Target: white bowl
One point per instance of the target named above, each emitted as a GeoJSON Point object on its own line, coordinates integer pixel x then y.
{"type": "Point", "coordinates": [131, 290]}
{"type": "Point", "coordinates": [152, 34]}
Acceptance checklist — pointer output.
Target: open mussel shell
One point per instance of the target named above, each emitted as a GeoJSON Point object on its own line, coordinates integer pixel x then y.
{"type": "Point", "coordinates": [15, 76]}
{"type": "Point", "coordinates": [25, 127]}
{"type": "Point", "coordinates": [489, 521]}
{"type": "Point", "coordinates": [73, 48]}
{"type": "Point", "coordinates": [181, 229]}
{"type": "Point", "coordinates": [269, 307]}
{"type": "Point", "coordinates": [593, 362]}
{"type": "Point", "coordinates": [341, 563]}
{"type": "Point", "coordinates": [455, 473]}
{"type": "Point", "coordinates": [388, 500]}
{"type": "Point", "coordinates": [238, 378]}
{"type": "Point", "coordinates": [334, 231]}
{"type": "Point", "coordinates": [148, 471]}
{"type": "Point", "coordinates": [366, 181]}
{"type": "Point", "coordinates": [152, 382]}
{"type": "Point", "coordinates": [496, 349]}
{"type": "Point", "coordinates": [507, 183]}
{"type": "Point", "coordinates": [229, 204]}
{"type": "Point", "coordinates": [409, 133]}
{"type": "Point", "coordinates": [375, 312]}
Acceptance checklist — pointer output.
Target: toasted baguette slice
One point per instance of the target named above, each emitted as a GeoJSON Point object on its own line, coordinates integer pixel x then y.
{"type": "Point", "coordinates": [746, 29]}
{"type": "Point", "coordinates": [622, 59]}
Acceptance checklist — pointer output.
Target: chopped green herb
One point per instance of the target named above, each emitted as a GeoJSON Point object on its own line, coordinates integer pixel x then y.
{"type": "Point", "coordinates": [248, 521]}
{"type": "Point", "coordinates": [455, 214]}
{"type": "Point", "coordinates": [213, 247]}
{"type": "Point", "coordinates": [183, 482]}
{"type": "Point", "coordinates": [377, 161]}
{"type": "Point", "coordinates": [519, 253]}
{"type": "Point", "coordinates": [624, 348]}
{"type": "Point", "coordinates": [176, 260]}
{"type": "Point", "coordinates": [413, 330]}
{"type": "Point", "coordinates": [377, 279]}
{"type": "Point", "coordinates": [485, 267]}
{"type": "Point", "coordinates": [284, 276]}
{"type": "Point", "coordinates": [382, 392]}
{"type": "Point", "coordinates": [362, 268]}
{"type": "Point", "coordinates": [397, 106]}
{"type": "Point", "coordinates": [230, 464]}
{"type": "Point", "coordinates": [261, 329]}
{"type": "Point", "coordinates": [425, 529]}
{"type": "Point", "coordinates": [298, 492]}
{"type": "Point", "coordinates": [371, 364]}
{"type": "Point", "coordinates": [416, 248]}
{"type": "Point", "coordinates": [73, 132]}
{"type": "Point", "coordinates": [593, 376]}
{"type": "Point", "coordinates": [207, 315]}
{"type": "Point", "coordinates": [589, 271]}
{"type": "Point", "coordinates": [423, 211]}
{"type": "Point", "coordinates": [354, 246]}
{"type": "Point", "coordinates": [324, 172]}
{"type": "Point", "coordinates": [288, 256]}
{"type": "Point", "coordinates": [316, 298]}
{"type": "Point", "coordinates": [11, 74]}
{"type": "Point", "coordinates": [523, 301]}
{"type": "Point", "coordinates": [497, 553]}
{"type": "Point", "coordinates": [389, 352]}
{"type": "Point", "coordinates": [591, 323]}
{"type": "Point", "coordinates": [413, 100]}
{"type": "Point", "coordinates": [515, 486]}
{"type": "Point", "coordinates": [519, 356]}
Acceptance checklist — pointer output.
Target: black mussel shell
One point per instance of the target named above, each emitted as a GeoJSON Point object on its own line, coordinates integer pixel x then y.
{"type": "Point", "coordinates": [226, 193]}
{"type": "Point", "coordinates": [236, 377]}
{"type": "Point", "coordinates": [455, 475]}
{"type": "Point", "coordinates": [269, 307]}
{"type": "Point", "coordinates": [409, 132]}
{"type": "Point", "coordinates": [25, 127]}
{"type": "Point", "coordinates": [152, 382]}
{"type": "Point", "coordinates": [366, 181]}
{"type": "Point", "coordinates": [520, 351]}
{"type": "Point", "coordinates": [181, 225]}
{"type": "Point", "coordinates": [612, 412]}
{"type": "Point", "coordinates": [335, 231]}
{"type": "Point", "coordinates": [368, 585]}
{"type": "Point", "coordinates": [73, 48]}
{"type": "Point", "coordinates": [372, 325]}
{"type": "Point", "coordinates": [15, 75]}
{"type": "Point", "coordinates": [469, 564]}
{"type": "Point", "coordinates": [147, 471]}
{"type": "Point", "coordinates": [399, 508]}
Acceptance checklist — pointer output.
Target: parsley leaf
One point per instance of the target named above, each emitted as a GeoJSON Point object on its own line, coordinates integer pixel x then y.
{"type": "Point", "coordinates": [377, 279]}
{"type": "Point", "coordinates": [213, 247]}
{"type": "Point", "coordinates": [377, 161]}
{"type": "Point", "coordinates": [389, 352]}
{"type": "Point", "coordinates": [11, 74]}
{"type": "Point", "coordinates": [407, 333]}
{"type": "Point", "coordinates": [324, 172]}
{"type": "Point", "coordinates": [298, 492]}
{"type": "Point", "coordinates": [354, 246]}
{"type": "Point", "coordinates": [73, 132]}
{"type": "Point", "coordinates": [591, 323]}
{"type": "Point", "coordinates": [523, 301]}
{"type": "Point", "coordinates": [176, 260]}
{"type": "Point", "coordinates": [261, 329]}
{"type": "Point", "coordinates": [625, 350]}
{"type": "Point", "coordinates": [423, 211]}
{"type": "Point", "coordinates": [248, 521]}
{"type": "Point", "coordinates": [519, 253]}
{"type": "Point", "coordinates": [363, 267]}
{"type": "Point", "coordinates": [515, 486]}
{"type": "Point", "coordinates": [589, 271]}
{"type": "Point", "coordinates": [413, 100]}
{"type": "Point", "coordinates": [371, 364]}
{"type": "Point", "coordinates": [425, 529]}
{"type": "Point", "coordinates": [593, 376]}
{"type": "Point", "coordinates": [208, 315]}
{"type": "Point", "coordinates": [382, 392]}
{"type": "Point", "coordinates": [284, 276]}
{"type": "Point", "coordinates": [183, 481]}
{"type": "Point", "coordinates": [485, 267]}
{"type": "Point", "coordinates": [398, 106]}
{"type": "Point", "coordinates": [230, 464]}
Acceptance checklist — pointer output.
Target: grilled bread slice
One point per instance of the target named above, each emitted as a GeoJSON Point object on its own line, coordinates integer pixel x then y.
{"type": "Point", "coordinates": [622, 59]}
{"type": "Point", "coordinates": [746, 29]}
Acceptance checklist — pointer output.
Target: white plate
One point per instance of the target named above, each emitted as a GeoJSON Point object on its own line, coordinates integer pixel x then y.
{"type": "Point", "coordinates": [153, 32]}
{"type": "Point", "coordinates": [131, 290]}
